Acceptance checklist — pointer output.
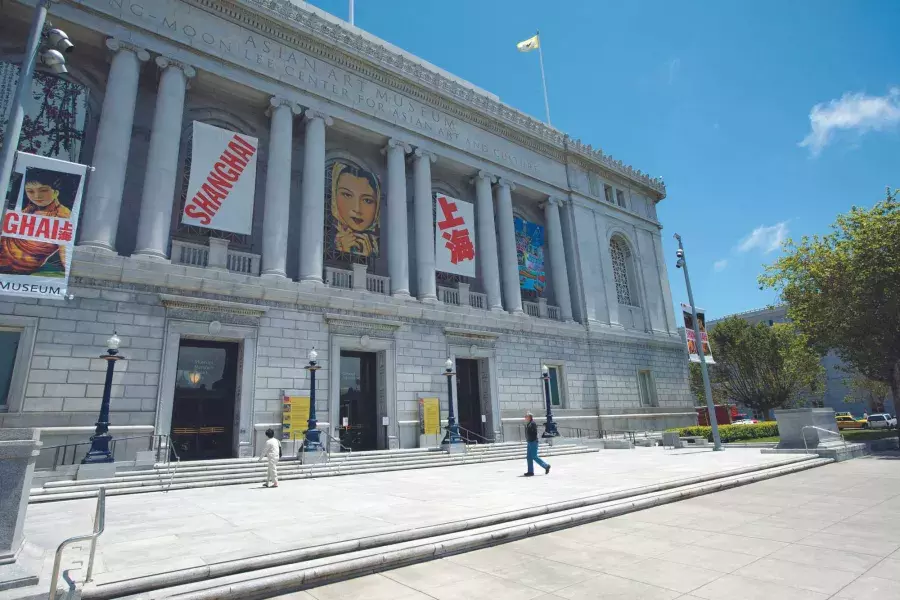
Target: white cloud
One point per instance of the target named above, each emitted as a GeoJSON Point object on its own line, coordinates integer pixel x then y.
{"type": "Point", "coordinates": [768, 239]}
{"type": "Point", "coordinates": [674, 67]}
{"type": "Point", "coordinates": [853, 112]}
{"type": "Point", "coordinates": [720, 265]}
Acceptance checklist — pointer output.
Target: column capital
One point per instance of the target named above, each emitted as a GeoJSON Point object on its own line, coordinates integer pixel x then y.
{"type": "Point", "coordinates": [164, 62]}
{"type": "Point", "coordinates": [422, 153]}
{"type": "Point", "coordinates": [491, 179]}
{"type": "Point", "coordinates": [396, 143]}
{"type": "Point", "coordinates": [504, 182]}
{"type": "Point", "coordinates": [555, 201]}
{"type": "Point", "coordinates": [309, 115]}
{"type": "Point", "coordinates": [117, 45]}
{"type": "Point", "coordinates": [277, 101]}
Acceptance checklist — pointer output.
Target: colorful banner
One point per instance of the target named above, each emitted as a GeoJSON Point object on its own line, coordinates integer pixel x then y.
{"type": "Point", "coordinates": [691, 338]}
{"type": "Point", "coordinates": [354, 196]}
{"type": "Point", "coordinates": [429, 416]}
{"type": "Point", "coordinates": [454, 236]}
{"type": "Point", "coordinates": [530, 252]}
{"type": "Point", "coordinates": [39, 226]}
{"type": "Point", "coordinates": [294, 417]}
{"type": "Point", "coordinates": [223, 180]}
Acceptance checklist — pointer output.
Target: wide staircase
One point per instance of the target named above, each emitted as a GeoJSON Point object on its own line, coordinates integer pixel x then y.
{"type": "Point", "coordinates": [210, 473]}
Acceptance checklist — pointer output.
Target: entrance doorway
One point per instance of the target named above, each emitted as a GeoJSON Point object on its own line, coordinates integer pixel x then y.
{"type": "Point", "coordinates": [468, 396]}
{"type": "Point", "coordinates": [204, 399]}
{"type": "Point", "coordinates": [358, 408]}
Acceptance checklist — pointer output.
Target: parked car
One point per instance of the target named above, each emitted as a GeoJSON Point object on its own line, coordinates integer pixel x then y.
{"type": "Point", "coordinates": [881, 421]}
{"type": "Point", "coordinates": [842, 414]}
{"type": "Point", "coordinates": [846, 421]}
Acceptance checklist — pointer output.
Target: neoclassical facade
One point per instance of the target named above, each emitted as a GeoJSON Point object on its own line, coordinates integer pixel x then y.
{"type": "Point", "coordinates": [359, 147]}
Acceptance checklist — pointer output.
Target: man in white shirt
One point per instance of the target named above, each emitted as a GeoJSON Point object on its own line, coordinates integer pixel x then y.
{"type": "Point", "coordinates": [272, 453]}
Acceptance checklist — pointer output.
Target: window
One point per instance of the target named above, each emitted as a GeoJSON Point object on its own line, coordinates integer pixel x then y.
{"type": "Point", "coordinates": [555, 384]}
{"type": "Point", "coordinates": [594, 183]}
{"type": "Point", "coordinates": [9, 346]}
{"type": "Point", "coordinates": [646, 388]}
{"type": "Point", "coordinates": [608, 192]}
{"type": "Point", "coordinates": [620, 259]}
{"type": "Point", "coordinates": [620, 198]}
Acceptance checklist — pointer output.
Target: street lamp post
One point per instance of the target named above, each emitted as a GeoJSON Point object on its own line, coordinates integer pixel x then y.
{"type": "Point", "coordinates": [312, 441]}
{"type": "Point", "coordinates": [550, 430]}
{"type": "Point", "coordinates": [99, 452]}
{"type": "Point", "coordinates": [452, 436]}
{"type": "Point", "coordinates": [52, 57]}
{"type": "Point", "coordinates": [698, 342]}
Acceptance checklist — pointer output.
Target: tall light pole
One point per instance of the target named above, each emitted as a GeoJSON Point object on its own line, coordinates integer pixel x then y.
{"type": "Point", "coordinates": [51, 56]}
{"type": "Point", "coordinates": [550, 430]}
{"type": "Point", "coordinates": [698, 342]}
{"type": "Point", "coordinates": [312, 440]}
{"type": "Point", "coordinates": [452, 436]}
{"type": "Point", "coordinates": [100, 452]}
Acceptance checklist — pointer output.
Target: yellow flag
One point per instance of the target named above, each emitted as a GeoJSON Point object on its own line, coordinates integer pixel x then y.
{"type": "Point", "coordinates": [529, 44]}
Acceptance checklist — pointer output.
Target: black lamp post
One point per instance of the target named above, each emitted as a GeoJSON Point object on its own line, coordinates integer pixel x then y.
{"type": "Point", "coordinates": [99, 452]}
{"type": "Point", "coordinates": [312, 440]}
{"type": "Point", "coordinates": [452, 436]}
{"type": "Point", "coordinates": [550, 430]}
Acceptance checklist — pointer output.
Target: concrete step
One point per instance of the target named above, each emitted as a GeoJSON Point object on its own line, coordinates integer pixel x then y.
{"type": "Point", "coordinates": [171, 480]}
{"type": "Point", "coordinates": [269, 575]}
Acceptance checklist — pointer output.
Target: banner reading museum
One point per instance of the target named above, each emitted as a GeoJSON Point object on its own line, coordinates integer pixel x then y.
{"type": "Point", "coordinates": [39, 226]}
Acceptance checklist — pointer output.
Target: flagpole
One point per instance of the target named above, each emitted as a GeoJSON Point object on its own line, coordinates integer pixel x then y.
{"type": "Point", "coordinates": [351, 12]}
{"type": "Point", "coordinates": [543, 77]}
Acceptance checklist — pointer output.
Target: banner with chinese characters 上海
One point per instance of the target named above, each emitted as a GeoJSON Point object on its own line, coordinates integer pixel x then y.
{"type": "Point", "coordinates": [530, 253]}
{"type": "Point", "coordinates": [39, 226]}
{"type": "Point", "coordinates": [223, 180]}
{"type": "Point", "coordinates": [454, 243]}
{"type": "Point", "coordinates": [691, 338]}
{"type": "Point", "coordinates": [294, 417]}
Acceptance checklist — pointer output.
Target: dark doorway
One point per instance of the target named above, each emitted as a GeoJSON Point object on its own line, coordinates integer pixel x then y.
{"type": "Point", "coordinates": [358, 402]}
{"type": "Point", "coordinates": [468, 394]}
{"type": "Point", "coordinates": [205, 390]}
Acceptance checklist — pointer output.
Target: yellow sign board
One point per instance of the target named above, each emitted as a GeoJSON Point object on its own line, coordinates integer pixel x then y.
{"type": "Point", "coordinates": [429, 416]}
{"type": "Point", "coordinates": [294, 416]}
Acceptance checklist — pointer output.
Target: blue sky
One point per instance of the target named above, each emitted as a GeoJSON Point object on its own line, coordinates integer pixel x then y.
{"type": "Point", "coordinates": [766, 118]}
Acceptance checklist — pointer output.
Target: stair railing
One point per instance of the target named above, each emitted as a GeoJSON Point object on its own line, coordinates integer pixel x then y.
{"type": "Point", "coordinates": [99, 527]}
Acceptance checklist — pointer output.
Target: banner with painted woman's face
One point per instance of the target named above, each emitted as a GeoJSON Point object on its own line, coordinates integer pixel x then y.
{"type": "Point", "coordinates": [38, 231]}
{"type": "Point", "coordinates": [354, 197]}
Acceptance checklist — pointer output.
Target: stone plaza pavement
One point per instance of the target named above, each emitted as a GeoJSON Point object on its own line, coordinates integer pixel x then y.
{"type": "Point", "coordinates": [160, 532]}
{"type": "Point", "coordinates": [830, 532]}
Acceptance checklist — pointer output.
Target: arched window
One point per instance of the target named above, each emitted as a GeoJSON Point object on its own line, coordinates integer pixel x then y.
{"type": "Point", "coordinates": [622, 270]}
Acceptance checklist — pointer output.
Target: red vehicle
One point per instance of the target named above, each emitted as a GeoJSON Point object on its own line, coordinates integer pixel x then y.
{"type": "Point", "coordinates": [726, 414]}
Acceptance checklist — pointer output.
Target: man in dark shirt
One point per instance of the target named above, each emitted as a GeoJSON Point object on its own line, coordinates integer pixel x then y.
{"type": "Point", "coordinates": [531, 436]}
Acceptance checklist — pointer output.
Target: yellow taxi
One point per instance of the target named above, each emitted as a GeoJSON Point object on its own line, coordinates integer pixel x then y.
{"type": "Point", "coordinates": [848, 421]}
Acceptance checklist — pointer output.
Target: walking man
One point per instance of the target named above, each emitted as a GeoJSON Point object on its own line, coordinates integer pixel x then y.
{"type": "Point", "coordinates": [271, 453]}
{"type": "Point", "coordinates": [531, 435]}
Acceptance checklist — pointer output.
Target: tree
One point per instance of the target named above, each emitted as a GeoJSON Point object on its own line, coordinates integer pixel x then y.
{"type": "Point", "coordinates": [843, 289]}
{"type": "Point", "coordinates": [696, 382]}
{"type": "Point", "coordinates": [764, 367]}
{"type": "Point", "coordinates": [870, 391]}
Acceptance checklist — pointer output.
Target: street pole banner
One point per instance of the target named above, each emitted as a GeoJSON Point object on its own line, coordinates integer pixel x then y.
{"type": "Point", "coordinates": [223, 180]}
{"type": "Point", "coordinates": [39, 225]}
{"type": "Point", "coordinates": [454, 244]}
{"type": "Point", "coordinates": [691, 338]}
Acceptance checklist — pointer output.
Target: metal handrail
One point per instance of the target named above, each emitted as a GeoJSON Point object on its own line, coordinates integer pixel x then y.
{"type": "Point", "coordinates": [486, 439]}
{"type": "Point", "coordinates": [155, 440]}
{"type": "Point", "coordinates": [805, 427]}
{"type": "Point", "coordinates": [99, 526]}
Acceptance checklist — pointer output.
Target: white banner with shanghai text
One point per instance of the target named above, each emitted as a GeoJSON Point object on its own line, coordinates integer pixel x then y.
{"type": "Point", "coordinates": [454, 236]}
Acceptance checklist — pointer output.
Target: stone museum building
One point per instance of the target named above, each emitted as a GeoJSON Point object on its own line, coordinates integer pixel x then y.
{"type": "Point", "coordinates": [266, 179]}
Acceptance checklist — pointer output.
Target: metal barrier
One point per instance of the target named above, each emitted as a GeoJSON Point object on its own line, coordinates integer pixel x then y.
{"type": "Point", "coordinates": [61, 456]}
{"type": "Point", "coordinates": [805, 427]}
{"type": "Point", "coordinates": [474, 438]}
{"type": "Point", "coordinates": [99, 526]}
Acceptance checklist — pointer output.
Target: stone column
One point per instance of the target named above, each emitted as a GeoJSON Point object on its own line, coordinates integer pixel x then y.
{"type": "Point", "coordinates": [103, 199]}
{"type": "Point", "coordinates": [509, 262]}
{"type": "Point", "coordinates": [397, 229]}
{"type": "Point", "coordinates": [558, 269]}
{"type": "Point", "coordinates": [487, 240]}
{"type": "Point", "coordinates": [312, 230]}
{"type": "Point", "coordinates": [278, 187]}
{"type": "Point", "coordinates": [19, 449]}
{"type": "Point", "coordinates": [424, 220]}
{"type": "Point", "coordinates": [155, 221]}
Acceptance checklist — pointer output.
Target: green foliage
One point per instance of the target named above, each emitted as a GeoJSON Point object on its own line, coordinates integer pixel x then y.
{"type": "Point", "coordinates": [870, 391]}
{"type": "Point", "coordinates": [695, 378]}
{"type": "Point", "coordinates": [843, 289]}
{"type": "Point", "coordinates": [764, 367]}
{"type": "Point", "coordinates": [732, 433]}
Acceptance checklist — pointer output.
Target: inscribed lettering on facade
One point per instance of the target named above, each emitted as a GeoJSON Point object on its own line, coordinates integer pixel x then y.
{"type": "Point", "coordinates": [354, 196]}
{"type": "Point", "coordinates": [223, 180]}
{"type": "Point", "coordinates": [39, 226]}
{"type": "Point", "coordinates": [294, 417]}
{"type": "Point", "coordinates": [530, 252]}
{"type": "Point", "coordinates": [454, 236]}
{"type": "Point", "coordinates": [692, 339]}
